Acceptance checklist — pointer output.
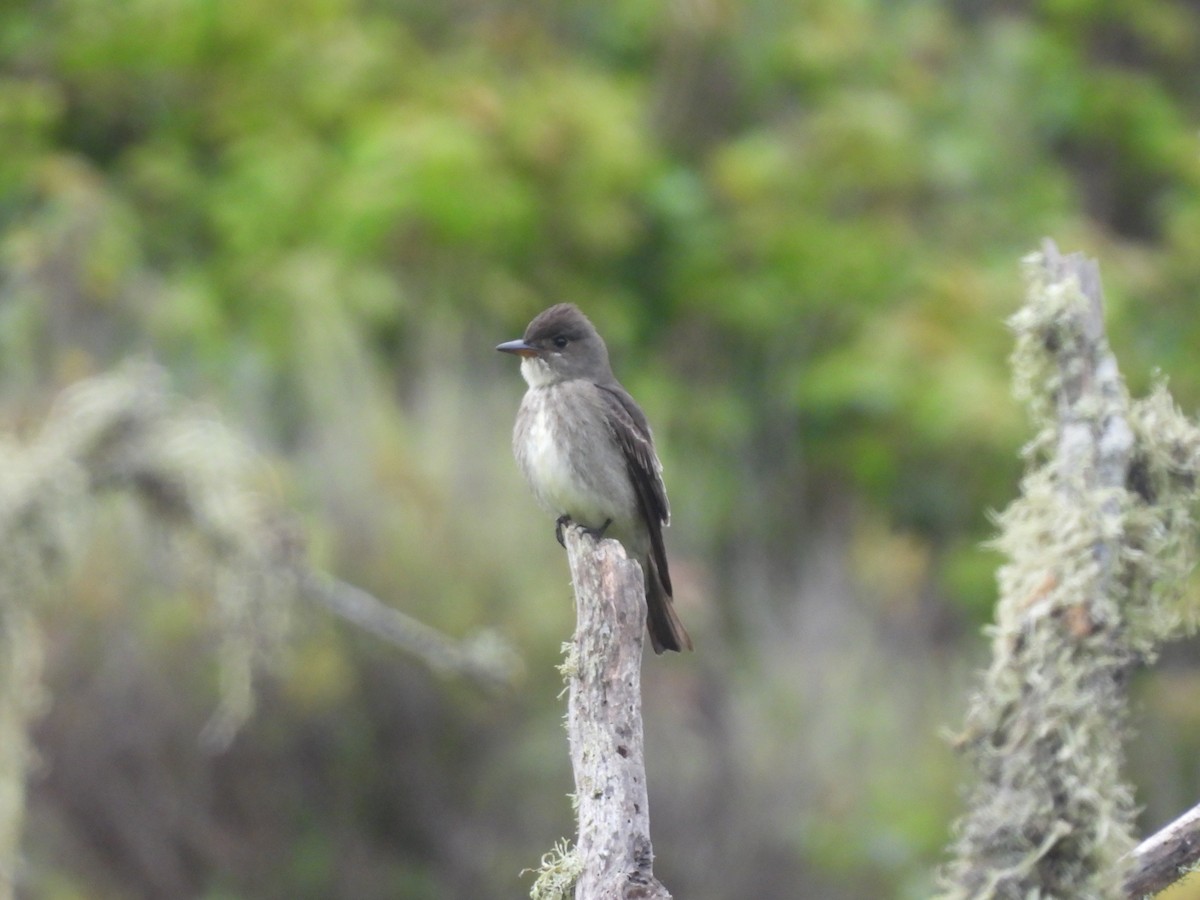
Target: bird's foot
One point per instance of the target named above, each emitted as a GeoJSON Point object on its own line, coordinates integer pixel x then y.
{"type": "Point", "coordinates": [559, 523]}
{"type": "Point", "coordinates": [562, 521]}
{"type": "Point", "coordinates": [598, 533]}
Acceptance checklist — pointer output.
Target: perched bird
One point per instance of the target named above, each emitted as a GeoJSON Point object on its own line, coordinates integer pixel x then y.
{"type": "Point", "coordinates": [585, 448]}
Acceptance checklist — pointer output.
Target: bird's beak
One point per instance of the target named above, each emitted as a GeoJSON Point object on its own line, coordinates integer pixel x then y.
{"type": "Point", "coordinates": [520, 348]}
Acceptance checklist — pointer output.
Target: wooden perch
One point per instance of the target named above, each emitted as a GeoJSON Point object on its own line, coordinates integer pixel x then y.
{"type": "Point", "coordinates": [604, 724]}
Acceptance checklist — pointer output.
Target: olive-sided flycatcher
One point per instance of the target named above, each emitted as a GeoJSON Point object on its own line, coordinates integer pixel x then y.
{"type": "Point", "coordinates": [585, 448]}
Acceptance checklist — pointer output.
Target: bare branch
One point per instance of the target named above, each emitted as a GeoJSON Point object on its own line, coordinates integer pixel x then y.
{"type": "Point", "coordinates": [1164, 857]}
{"type": "Point", "coordinates": [165, 458]}
{"type": "Point", "coordinates": [484, 658]}
{"type": "Point", "coordinates": [613, 856]}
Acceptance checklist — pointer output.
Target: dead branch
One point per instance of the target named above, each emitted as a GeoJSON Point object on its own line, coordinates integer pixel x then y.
{"type": "Point", "coordinates": [1165, 857]}
{"type": "Point", "coordinates": [613, 857]}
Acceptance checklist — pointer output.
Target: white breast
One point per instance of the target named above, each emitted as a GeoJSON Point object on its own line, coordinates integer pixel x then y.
{"type": "Point", "coordinates": [539, 444]}
{"type": "Point", "coordinates": [547, 467]}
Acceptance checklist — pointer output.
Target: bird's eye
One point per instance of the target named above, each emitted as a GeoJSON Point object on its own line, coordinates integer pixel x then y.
{"type": "Point", "coordinates": [560, 342]}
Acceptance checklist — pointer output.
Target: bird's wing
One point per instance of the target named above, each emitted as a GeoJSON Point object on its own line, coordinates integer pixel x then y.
{"type": "Point", "coordinates": [645, 471]}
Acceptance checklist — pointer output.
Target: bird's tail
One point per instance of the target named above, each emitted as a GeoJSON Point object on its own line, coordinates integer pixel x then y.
{"type": "Point", "coordinates": [666, 631]}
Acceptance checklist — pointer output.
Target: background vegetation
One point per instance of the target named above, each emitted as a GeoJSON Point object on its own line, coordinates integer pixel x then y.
{"type": "Point", "coordinates": [798, 227]}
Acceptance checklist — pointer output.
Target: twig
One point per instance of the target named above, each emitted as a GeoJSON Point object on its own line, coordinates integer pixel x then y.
{"type": "Point", "coordinates": [1165, 857]}
{"type": "Point", "coordinates": [484, 657]}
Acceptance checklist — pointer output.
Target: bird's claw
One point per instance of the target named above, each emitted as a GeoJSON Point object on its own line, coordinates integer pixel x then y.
{"type": "Point", "coordinates": [598, 533]}
{"type": "Point", "coordinates": [562, 521]}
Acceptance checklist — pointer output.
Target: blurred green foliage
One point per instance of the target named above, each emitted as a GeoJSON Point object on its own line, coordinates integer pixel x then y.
{"type": "Point", "coordinates": [798, 227]}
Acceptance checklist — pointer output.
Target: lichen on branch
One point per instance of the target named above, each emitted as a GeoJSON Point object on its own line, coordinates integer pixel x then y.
{"type": "Point", "coordinates": [1097, 546]}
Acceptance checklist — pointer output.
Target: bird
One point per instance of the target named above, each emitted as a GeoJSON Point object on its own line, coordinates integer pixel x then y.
{"type": "Point", "coordinates": [586, 451]}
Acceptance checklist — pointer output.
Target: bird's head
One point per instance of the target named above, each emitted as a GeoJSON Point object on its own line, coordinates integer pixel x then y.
{"type": "Point", "coordinates": [560, 344]}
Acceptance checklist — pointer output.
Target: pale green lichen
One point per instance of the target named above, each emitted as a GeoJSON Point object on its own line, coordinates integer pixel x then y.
{"type": "Point", "coordinates": [1050, 348]}
{"type": "Point", "coordinates": [569, 667]}
{"type": "Point", "coordinates": [1165, 479]}
{"type": "Point", "coordinates": [1099, 546]}
{"type": "Point", "coordinates": [22, 699]}
{"type": "Point", "coordinates": [558, 873]}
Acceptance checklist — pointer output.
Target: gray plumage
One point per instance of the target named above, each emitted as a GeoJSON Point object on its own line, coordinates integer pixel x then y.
{"type": "Point", "coordinates": [585, 449]}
